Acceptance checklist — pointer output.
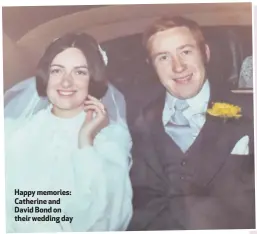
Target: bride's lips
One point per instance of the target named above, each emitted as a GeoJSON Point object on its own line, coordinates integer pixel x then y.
{"type": "Point", "coordinates": [183, 79]}
{"type": "Point", "coordinates": [66, 93]}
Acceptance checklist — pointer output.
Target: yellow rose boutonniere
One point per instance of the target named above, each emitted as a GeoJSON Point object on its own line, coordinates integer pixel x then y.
{"type": "Point", "coordinates": [225, 111]}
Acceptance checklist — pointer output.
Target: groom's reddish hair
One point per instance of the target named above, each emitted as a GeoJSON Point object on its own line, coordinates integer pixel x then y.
{"type": "Point", "coordinates": [169, 22]}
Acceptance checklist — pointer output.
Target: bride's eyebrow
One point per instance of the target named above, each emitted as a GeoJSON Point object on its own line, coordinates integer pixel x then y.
{"type": "Point", "coordinates": [76, 67]}
{"type": "Point", "coordinates": [82, 66]}
{"type": "Point", "coordinates": [56, 65]}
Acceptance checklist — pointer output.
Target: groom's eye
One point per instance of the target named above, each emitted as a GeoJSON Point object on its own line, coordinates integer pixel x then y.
{"type": "Point", "coordinates": [163, 57]}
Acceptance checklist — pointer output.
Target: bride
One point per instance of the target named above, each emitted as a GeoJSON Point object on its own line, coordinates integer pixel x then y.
{"type": "Point", "coordinates": [71, 146]}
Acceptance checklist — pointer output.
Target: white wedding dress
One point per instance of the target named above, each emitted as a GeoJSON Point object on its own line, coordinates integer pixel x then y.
{"type": "Point", "coordinates": [42, 154]}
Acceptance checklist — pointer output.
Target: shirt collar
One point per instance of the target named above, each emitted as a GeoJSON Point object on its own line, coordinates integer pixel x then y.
{"type": "Point", "coordinates": [197, 104]}
{"type": "Point", "coordinates": [201, 99]}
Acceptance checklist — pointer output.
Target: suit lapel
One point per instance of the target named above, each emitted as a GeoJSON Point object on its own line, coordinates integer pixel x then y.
{"type": "Point", "coordinates": [155, 135]}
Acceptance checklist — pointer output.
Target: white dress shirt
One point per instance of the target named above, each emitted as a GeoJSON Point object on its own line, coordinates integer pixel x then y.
{"type": "Point", "coordinates": [42, 154]}
{"type": "Point", "coordinates": [196, 116]}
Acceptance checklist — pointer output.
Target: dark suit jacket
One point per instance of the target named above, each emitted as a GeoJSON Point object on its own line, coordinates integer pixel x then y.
{"type": "Point", "coordinates": [205, 188]}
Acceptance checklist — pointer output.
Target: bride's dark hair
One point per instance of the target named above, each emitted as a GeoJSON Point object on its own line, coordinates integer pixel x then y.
{"type": "Point", "coordinates": [89, 47]}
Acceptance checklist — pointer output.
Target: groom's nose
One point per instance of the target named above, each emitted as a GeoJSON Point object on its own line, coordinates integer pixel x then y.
{"type": "Point", "coordinates": [178, 65]}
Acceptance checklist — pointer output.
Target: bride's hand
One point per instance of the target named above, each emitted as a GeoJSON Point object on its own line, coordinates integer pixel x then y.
{"type": "Point", "coordinates": [92, 125]}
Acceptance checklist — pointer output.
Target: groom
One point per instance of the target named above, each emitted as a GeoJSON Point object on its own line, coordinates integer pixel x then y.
{"type": "Point", "coordinates": [192, 169]}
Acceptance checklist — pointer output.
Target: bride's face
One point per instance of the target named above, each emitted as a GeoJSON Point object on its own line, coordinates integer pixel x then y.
{"type": "Point", "coordinates": [68, 82]}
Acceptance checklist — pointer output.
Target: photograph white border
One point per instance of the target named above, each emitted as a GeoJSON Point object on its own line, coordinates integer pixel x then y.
{"type": "Point", "coordinates": [109, 2]}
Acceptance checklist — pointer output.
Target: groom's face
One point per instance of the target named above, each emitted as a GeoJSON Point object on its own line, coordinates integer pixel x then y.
{"type": "Point", "coordinates": [178, 61]}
